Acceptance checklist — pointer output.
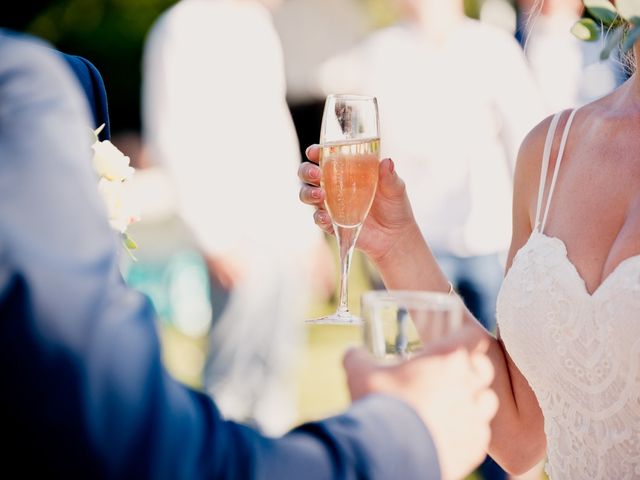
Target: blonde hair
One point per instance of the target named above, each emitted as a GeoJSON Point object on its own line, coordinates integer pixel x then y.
{"type": "Point", "coordinates": [628, 59]}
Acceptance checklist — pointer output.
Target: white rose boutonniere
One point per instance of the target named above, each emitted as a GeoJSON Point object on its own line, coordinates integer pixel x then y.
{"type": "Point", "coordinates": [115, 174]}
{"type": "Point", "coordinates": [110, 163]}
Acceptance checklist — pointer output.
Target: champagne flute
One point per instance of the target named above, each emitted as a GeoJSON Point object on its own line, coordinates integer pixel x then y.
{"type": "Point", "coordinates": [349, 158]}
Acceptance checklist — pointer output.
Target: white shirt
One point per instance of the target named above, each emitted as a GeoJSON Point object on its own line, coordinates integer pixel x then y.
{"type": "Point", "coordinates": [453, 117]}
{"type": "Point", "coordinates": [215, 113]}
{"type": "Point", "coordinates": [568, 70]}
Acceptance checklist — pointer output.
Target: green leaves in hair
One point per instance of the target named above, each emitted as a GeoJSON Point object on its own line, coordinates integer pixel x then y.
{"type": "Point", "coordinates": [619, 23]}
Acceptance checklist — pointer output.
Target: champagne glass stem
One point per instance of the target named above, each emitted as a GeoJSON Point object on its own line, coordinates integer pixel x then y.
{"type": "Point", "coordinates": [346, 242]}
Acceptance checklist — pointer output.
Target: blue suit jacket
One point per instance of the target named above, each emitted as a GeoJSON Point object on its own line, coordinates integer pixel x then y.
{"type": "Point", "coordinates": [83, 393]}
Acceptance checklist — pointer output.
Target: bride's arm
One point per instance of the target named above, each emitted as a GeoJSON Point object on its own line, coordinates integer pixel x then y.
{"type": "Point", "coordinates": [518, 440]}
{"type": "Point", "coordinates": [393, 241]}
{"type": "Point", "coordinates": [517, 435]}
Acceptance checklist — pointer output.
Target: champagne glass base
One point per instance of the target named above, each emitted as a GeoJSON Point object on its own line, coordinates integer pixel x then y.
{"type": "Point", "coordinates": [337, 318]}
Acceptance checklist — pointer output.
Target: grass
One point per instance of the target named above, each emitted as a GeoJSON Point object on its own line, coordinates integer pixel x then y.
{"type": "Point", "coordinates": [320, 381]}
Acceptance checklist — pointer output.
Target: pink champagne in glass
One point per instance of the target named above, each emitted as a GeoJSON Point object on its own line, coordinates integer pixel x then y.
{"type": "Point", "coordinates": [349, 178]}
{"type": "Point", "coordinates": [349, 161]}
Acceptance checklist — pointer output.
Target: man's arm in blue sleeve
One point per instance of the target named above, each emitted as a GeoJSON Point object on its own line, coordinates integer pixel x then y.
{"type": "Point", "coordinates": [83, 388]}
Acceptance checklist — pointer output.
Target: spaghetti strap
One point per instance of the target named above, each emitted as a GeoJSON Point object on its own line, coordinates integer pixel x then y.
{"type": "Point", "coordinates": [545, 165]}
{"type": "Point", "coordinates": [563, 144]}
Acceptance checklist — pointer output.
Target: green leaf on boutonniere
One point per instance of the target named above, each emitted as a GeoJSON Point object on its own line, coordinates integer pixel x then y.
{"type": "Point", "coordinates": [612, 41]}
{"type": "Point", "coordinates": [586, 29]}
{"type": "Point", "coordinates": [602, 10]}
{"type": "Point", "coordinates": [129, 244]}
{"type": "Point", "coordinates": [628, 8]}
{"type": "Point", "coordinates": [95, 133]}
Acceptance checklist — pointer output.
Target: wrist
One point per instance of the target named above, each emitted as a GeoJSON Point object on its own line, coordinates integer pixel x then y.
{"type": "Point", "coordinates": [407, 245]}
{"type": "Point", "coordinates": [409, 264]}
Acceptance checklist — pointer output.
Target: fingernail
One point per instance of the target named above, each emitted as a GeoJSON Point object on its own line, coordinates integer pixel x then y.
{"type": "Point", "coordinates": [392, 166]}
{"type": "Point", "coordinates": [313, 173]}
{"type": "Point", "coordinates": [323, 218]}
{"type": "Point", "coordinates": [315, 194]}
{"type": "Point", "coordinates": [306, 152]}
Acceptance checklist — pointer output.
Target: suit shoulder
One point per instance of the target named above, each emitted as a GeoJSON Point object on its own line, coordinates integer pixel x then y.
{"type": "Point", "coordinates": [32, 69]}
{"type": "Point", "coordinates": [35, 77]}
{"type": "Point", "coordinates": [29, 53]}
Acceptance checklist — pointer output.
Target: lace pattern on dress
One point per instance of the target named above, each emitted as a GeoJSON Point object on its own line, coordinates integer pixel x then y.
{"type": "Point", "coordinates": [580, 352]}
{"type": "Point", "coordinates": [581, 355]}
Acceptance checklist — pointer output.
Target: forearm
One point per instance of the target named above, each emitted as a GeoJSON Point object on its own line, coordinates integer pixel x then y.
{"type": "Point", "coordinates": [146, 425]}
{"type": "Point", "coordinates": [379, 437]}
{"type": "Point", "coordinates": [91, 397]}
{"type": "Point", "coordinates": [410, 265]}
{"type": "Point", "coordinates": [518, 441]}
{"type": "Point", "coordinates": [517, 433]}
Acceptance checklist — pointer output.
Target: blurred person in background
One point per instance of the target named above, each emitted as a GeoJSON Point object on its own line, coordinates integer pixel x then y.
{"type": "Point", "coordinates": [456, 99]}
{"type": "Point", "coordinates": [84, 390]}
{"type": "Point", "coordinates": [568, 71]}
{"type": "Point", "coordinates": [215, 114]}
{"type": "Point", "coordinates": [567, 345]}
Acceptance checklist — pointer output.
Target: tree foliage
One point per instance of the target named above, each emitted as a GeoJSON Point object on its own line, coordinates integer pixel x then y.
{"type": "Point", "coordinates": [111, 34]}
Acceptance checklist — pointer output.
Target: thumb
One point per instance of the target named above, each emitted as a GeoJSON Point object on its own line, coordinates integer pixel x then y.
{"type": "Point", "coordinates": [357, 361]}
{"type": "Point", "coordinates": [361, 373]}
{"type": "Point", "coordinates": [389, 183]}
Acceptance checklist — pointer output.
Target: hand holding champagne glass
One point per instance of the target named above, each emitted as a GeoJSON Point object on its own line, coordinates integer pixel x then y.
{"type": "Point", "coordinates": [349, 158]}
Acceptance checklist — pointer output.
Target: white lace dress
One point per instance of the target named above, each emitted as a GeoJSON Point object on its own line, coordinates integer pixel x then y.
{"type": "Point", "coordinates": [580, 352]}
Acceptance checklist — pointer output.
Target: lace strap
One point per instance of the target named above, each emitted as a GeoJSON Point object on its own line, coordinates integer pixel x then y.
{"type": "Point", "coordinates": [563, 144]}
{"type": "Point", "coordinates": [545, 164]}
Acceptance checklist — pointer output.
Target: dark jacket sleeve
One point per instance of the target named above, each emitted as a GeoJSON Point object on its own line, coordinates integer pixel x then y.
{"type": "Point", "coordinates": [94, 90]}
{"type": "Point", "coordinates": [83, 390]}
